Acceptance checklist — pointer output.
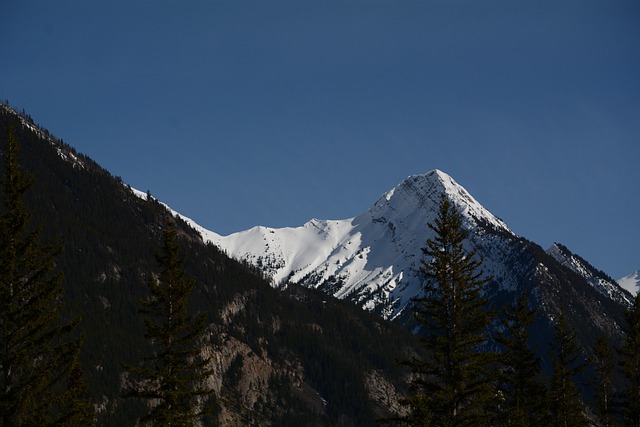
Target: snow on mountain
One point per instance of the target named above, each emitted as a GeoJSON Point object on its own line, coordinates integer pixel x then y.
{"type": "Point", "coordinates": [372, 259]}
{"type": "Point", "coordinates": [207, 235]}
{"type": "Point", "coordinates": [597, 279]}
{"type": "Point", "coordinates": [631, 283]}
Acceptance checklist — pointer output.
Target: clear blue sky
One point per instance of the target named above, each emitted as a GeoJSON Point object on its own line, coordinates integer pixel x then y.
{"type": "Point", "coordinates": [243, 113]}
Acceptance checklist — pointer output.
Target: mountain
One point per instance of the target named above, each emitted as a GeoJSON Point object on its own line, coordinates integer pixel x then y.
{"type": "Point", "coordinates": [286, 351]}
{"type": "Point", "coordinates": [631, 282]}
{"type": "Point", "coordinates": [281, 357]}
{"type": "Point", "coordinates": [373, 260]}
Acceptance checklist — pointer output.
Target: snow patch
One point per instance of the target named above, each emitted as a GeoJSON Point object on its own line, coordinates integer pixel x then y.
{"type": "Point", "coordinates": [631, 283]}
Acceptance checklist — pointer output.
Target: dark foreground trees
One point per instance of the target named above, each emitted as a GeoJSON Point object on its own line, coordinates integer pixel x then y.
{"type": "Point", "coordinates": [454, 383]}
{"type": "Point", "coordinates": [173, 378]}
{"type": "Point", "coordinates": [40, 378]}
{"type": "Point", "coordinates": [521, 386]}
{"type": "Point", "coordinates": [630, 364]}
{"type": "Point", "coordinates": [565, 395]}
{"type": "Point", "coordinates": [604, 366]}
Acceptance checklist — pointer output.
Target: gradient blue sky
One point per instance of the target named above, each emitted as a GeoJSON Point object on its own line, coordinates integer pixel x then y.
{"type": "Point", "coordinates": [243, 113]}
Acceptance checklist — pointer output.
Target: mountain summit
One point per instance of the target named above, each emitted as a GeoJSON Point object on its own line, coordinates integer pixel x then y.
{"type": "Point", "coordinates": [420, 194]}
{"type": "Point", "coordinates": [373, 258]}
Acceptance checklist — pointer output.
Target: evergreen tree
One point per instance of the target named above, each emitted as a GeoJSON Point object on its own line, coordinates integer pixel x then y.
{"type": "Point", "coordinates": [630, 364]}
{"type": "Point", "coordinates": [455, 378]}
{"type": "Point", "coordinates": [520, 382]}
{"type": "Point", "coordinates": [40, 378]}
{"type": "Point", "coordinates": [604, 366]}
{"type": "Point", "coordinates": [565, 402]}
{"type": "Point", "coordinates": [418, 416]}
{"type": "Point", "coordinates": [173, 378]}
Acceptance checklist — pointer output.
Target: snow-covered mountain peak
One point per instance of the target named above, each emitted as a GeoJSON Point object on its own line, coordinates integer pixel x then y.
{"type": "Point", "coordinates": [421, 193]}
{"type": "Point", "coordinates": [373, 258]}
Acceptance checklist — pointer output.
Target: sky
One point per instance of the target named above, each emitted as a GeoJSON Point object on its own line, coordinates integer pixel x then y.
{"type": "Point", "coordinates": [244, 113]}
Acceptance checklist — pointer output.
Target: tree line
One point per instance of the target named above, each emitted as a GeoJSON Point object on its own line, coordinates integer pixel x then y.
{"type": "Point", "coordinates": [462, 382]}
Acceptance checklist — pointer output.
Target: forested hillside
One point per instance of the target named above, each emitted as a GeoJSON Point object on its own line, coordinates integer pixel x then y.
{"type": "Point", "coordinates": [292, 357]}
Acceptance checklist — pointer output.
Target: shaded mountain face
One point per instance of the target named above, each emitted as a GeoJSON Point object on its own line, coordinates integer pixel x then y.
{"type": "Point", "coordinates": [599, 280]}
{"type": "Point", "coordinates": [292, 357]}
{"type": "Point", "coordinates": [373, 260]}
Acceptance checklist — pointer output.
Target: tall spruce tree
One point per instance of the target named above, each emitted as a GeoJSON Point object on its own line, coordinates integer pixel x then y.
{"type": "Point", "coordinates": [630, 364]}
{"type": "Point", "coordinates": [520, 380]}
{"type": "Point", "coordinates": [454, 385]}
{"type": "Point", "coordinates": [173, 378]}
{"type": "Point", "coordinates": [40, 377]}
{"type": "Point", "coordinates": [603, 367]}
{"type": "Point", "coordinates": [568, 362]}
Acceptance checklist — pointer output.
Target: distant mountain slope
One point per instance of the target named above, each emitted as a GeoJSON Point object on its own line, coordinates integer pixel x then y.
{"type": "Point", "coordinates": [373, 260]}
{"type": "Point", "coordinates": [600, 281]}
{"type": "Point", "coordinates": [294, 357]}
{"type": "Point", "coordinates": [631, 282]}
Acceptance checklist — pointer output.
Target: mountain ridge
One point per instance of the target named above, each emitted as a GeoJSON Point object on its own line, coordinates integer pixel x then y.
{"type": "Point", "coordinates": [332, 255]}
{"type": "Point", "coordinates": [598, 279]}
{"type": "Point", "coordinates": [373, 260]}
{"type": "Point", "coordinates": [281, 357]}
{"type": "Point", "coordinates": [352, 251]}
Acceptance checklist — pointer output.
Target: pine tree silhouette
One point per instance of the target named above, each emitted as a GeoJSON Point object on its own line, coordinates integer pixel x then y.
{"type": "Point", "coordinates": [40, 378]}
{"type": "Point", "coordinates": [521, 384]}
{"type": "Point", "coordinates": [173, 378]}
{"type": "Point", "coordinates": [566, 405]}
{"type": "Point", "coordinates": [630, 364]}
{"type": "Point", "coordinates": [454, 384]}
